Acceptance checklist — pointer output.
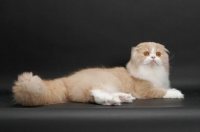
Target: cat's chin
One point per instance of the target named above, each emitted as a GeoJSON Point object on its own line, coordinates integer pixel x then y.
{"type": "Point", "coordinates": [152, 63]}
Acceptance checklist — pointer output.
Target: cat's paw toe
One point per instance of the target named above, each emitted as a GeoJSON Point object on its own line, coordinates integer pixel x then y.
{"type": "Point", "coordinates": [173, 93]}
{"type": "Point", "coordinates": [126, 98]}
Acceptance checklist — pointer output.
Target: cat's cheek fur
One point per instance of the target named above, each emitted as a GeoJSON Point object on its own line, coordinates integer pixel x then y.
{"type": "Point", "coordinates": [158, 61]}
{"type": "Point", "coordinates": [173, 93]}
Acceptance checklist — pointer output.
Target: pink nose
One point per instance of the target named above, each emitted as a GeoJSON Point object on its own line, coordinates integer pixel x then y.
{"type": "Point", "coordinates": [153, 57]}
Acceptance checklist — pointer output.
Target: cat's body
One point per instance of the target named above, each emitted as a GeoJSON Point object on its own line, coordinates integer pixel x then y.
{"type": "Point", "coordinates": [145, 78]}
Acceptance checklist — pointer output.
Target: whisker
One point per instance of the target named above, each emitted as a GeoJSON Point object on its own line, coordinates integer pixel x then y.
{"type": "Point", "coordinates": [171, 59]}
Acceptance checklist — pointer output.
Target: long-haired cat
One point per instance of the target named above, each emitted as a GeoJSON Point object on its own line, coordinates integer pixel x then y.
{"type": "Point", "coordinates": [146, 76]}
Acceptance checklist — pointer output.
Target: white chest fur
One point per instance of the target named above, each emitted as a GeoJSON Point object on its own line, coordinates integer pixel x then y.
{"type": "Point", "coordinates": [157, 75]}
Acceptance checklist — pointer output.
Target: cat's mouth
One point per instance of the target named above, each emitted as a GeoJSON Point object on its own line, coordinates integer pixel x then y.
{"type": "Point", "coordinates": [154, 62]}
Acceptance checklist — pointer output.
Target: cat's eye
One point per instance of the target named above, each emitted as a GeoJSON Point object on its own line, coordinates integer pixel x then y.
{"type": "Point", "coordinates": [146, 53]}
{"type": "Point", "coordinates": [158, 54]}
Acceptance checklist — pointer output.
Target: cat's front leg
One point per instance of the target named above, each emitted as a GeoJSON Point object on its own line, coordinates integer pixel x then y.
{"type": "Point", "coordinates": [104, 98]}
{"type": "Point", "coordinates": [173, 93]}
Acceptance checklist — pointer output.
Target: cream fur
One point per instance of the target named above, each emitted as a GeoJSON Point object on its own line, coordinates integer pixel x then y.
{"type": "Point", "coordinates": [157, 73]}
{"type": "Point", "coordinates": [105, 86]}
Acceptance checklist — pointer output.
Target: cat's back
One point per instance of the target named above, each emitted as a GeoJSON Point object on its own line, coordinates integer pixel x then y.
{"type": "Point", "coordinates": [98, 75]}
{"type": "Point", "coordinates": [99, 72]}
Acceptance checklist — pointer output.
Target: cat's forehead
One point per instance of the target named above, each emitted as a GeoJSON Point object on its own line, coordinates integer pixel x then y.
{"type": "Point", "coordinates": [150, 46]}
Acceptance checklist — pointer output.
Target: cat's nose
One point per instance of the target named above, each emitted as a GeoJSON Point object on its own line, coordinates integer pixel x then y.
{"type": "Point", "coordinates": [153, 57]}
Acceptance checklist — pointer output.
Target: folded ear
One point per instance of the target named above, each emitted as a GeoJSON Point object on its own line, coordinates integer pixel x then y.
{"type": "Point", "coordinates": [166, 50]}
{"type": "Point", "coordinates": [132, 50]}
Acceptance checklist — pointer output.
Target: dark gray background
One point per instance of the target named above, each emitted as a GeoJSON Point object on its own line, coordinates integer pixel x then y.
{"type": "Point", "coordinates": [53, 38]}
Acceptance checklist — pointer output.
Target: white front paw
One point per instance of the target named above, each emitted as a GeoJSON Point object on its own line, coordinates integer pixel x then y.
{"type": "Point", "coordinates": [173, 93]}
{"type": "Point", "coordinates": [104, 98]}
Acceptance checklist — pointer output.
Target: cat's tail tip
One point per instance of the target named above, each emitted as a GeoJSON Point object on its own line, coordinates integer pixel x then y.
{"type": "Point", "coordinates": [27, 88]}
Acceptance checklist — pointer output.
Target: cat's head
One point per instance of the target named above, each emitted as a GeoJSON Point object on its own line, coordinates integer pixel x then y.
{"type": "Point", "coordinates": [149, 54]}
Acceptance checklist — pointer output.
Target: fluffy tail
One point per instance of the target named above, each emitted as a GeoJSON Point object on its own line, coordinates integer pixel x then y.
{"type": "Point", "coordinates": [31, 90]}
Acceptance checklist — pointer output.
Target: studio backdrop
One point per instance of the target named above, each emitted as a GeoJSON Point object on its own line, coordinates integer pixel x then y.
{"type": "Point", "coordinates": [54, 38]}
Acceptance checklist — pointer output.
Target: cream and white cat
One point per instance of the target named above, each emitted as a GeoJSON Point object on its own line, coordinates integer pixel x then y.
{"type": "Point", "coordinates": [146, 76]}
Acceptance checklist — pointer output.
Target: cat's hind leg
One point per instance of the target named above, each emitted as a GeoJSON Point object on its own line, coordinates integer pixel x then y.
{"type": "Point", "coordinates": [104, 98]}
{"type": "Point", "coordinates": [128, 98]}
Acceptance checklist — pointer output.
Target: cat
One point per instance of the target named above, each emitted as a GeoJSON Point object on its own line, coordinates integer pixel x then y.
{"type": "Point", "coordinates": [146, 76]}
